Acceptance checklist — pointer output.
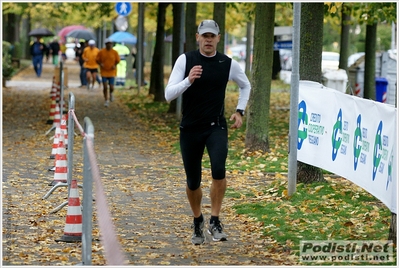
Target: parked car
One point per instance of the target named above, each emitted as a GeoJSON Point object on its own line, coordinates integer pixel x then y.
{"type": "Point", "coordinates": [329, 61]}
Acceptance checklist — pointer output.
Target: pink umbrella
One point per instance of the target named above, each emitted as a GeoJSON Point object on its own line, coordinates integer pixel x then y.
{"type": "Point", "coordinates": [64, 31]}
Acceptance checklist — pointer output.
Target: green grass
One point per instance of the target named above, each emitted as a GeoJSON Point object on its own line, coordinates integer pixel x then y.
{"type": "Point", "coordinates": [320, 211]}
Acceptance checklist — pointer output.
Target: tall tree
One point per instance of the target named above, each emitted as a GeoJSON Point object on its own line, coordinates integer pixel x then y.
{"type": "Point", "coordinates": [191, 26]}
{"type": "Point", "coordinates": [219, 15]}
{"type": "Point", "coordinates": [158, 59]}
{"type": "Point", "coordinates": [257, 136]}
{"type": "Point", "coordinates": [311, 47]}
{"type": "Point", "coordinates": [248, 51]}
{"type": "Point", "coordinates": [345, 27]}
{"type": "Point", "coordinates": [178, 30]}
{"type": "Point", "coordinates": [369, 61]}
{"type": "Point", "coordinates": [178, 41]}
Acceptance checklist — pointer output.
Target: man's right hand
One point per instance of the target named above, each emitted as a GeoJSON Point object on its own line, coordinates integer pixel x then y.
{"type": "Point", "coordinates": [195, 73]}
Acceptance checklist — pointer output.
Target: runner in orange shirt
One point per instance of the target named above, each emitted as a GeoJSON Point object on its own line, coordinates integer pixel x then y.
{"type": "Point", "coordinates": [108, 58]}
{"type": "Point", "coordinates": [90, 64]}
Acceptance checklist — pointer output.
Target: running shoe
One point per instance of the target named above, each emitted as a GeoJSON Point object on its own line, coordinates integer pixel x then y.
{"type": "Point", "coordinates": [198, 237]}
{"type": "Point", "coordinates": [216, 230]}
{"type": "Point", "coordinates": [106, 104]}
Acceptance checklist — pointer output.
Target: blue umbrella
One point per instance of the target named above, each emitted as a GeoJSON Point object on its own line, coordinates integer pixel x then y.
{"type": "Point", "coordinates": [123, 37]}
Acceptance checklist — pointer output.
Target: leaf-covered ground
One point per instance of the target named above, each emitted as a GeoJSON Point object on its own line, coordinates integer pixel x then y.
{"type": "Point", "coordinates": [143, 180]}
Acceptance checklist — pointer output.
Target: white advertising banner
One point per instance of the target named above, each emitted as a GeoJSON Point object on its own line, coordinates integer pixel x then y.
{"type": "Point", "coordinates": [351, 137]}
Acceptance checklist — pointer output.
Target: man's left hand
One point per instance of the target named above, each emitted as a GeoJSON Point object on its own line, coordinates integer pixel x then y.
{"type": "Point", "coordinates": [238, 120]}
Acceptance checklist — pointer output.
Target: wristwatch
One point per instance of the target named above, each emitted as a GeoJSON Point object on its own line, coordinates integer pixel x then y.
{"type": "Point", "coordinates": [241, 112]}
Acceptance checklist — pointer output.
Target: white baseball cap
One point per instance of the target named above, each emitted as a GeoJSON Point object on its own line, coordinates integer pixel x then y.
{"type": "Point", "coordinates": [208, 26]}
{"type": "Point", "coordinates": [107, 40]}
{"type": "Point", "coordinates": [92, 42]}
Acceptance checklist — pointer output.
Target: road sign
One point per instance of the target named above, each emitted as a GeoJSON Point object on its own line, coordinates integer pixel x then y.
{"type": "Point", "coordinates": [282, 45]}
{"type": "Point", "coordinates": [123, 8]}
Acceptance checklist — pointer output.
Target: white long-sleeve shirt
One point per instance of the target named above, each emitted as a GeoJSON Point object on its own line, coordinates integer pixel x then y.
{"type": "Point", "coordinates": [178, 84]}
{"type": "Point", "coordinates": [203, 100]}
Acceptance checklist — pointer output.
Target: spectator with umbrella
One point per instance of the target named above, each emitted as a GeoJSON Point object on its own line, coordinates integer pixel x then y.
{"type": "Point", "coordinates": [38, 49]}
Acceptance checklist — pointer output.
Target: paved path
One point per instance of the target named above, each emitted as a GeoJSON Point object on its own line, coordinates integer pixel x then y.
{"type": "Point", "coordinates": [143, 180]}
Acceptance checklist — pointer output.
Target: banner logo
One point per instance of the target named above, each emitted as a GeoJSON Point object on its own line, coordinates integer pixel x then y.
{"type": "Point", "coordinates": [302, 118]}
{"type": "Point", "coordinates": [377, 150]}
{"type": "Point", "coordinates": [357, 145]}
{"type": "Point", "coordinates": [335, 138]}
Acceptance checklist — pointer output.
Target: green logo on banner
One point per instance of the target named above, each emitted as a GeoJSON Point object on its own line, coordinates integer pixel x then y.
{"type": "Point", "coordinates": [336, 141]}
{"type": "Point", "coordinates": [377, 146]}
{"type": "Point", "coordinates": [302, 117]}
{"type": "Point", "coordinates": [357, 145]}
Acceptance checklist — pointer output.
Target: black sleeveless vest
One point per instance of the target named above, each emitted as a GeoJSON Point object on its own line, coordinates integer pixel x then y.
{"type": "Point", "coordinates": [203, 101]}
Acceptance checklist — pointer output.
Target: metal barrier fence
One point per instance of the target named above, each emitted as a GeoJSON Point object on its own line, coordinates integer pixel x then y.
{"type": "Point", "coordinates": [112, 248]}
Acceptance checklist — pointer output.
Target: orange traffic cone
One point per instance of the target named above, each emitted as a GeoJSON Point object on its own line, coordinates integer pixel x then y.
{"type": "Point", "coordinates": [53, 92]}
{"type": "Point", "coordinates": [57, 136]}
{"type": "Point", "coordinates": [61, 168]}
{"type": "Point", "coordinates": [64, 129]}
{"type": "Point", "coordinates": [57, 115]}
{"type": "Point", "coordinates": [73, 225]}
{"type": "Point", "coordinates": [52, 111]}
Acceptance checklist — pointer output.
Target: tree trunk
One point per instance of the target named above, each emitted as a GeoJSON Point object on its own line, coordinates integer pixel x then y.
{"type": "Point", "coordinates": [257, 136]}
{"type": "Point", "coordinates": [11, 21]}
{"type": "Point", "coordinates": [311, 47]}
{"type": "Point", "coordinates": [26, 28]}
{"type": "Point", "coordinates": [176, 43]}
{"type": "Point", "coordinates": [157, 72]}
{"type": "Point", "coordinates": [191, 43]}
{"type": "Point", "coordinates": [191, 26]}
{"type": "Point", "coordinates": [248, 59]}
{"type": "Point", "coordinates": [369, 62]}
{"type": "Point", "coordinates": [178, 28]}
{"type": "Point", "coordinates": [219, 15]}
{"type": "Point", "coordinates": [345, 27]}
{"type": "Point", "coordinates": [392, 229]}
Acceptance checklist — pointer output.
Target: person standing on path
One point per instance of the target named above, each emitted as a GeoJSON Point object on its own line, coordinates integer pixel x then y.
{"type": "Point", "coordinates": [108, 58]}
{"type": "Point", "coordinates": [78, 57]}
{"type": "Point", "coordinates": [38, 49]}
{"type": "Point", "coordinates": [90, 64]}
{"type": "Point", "coordinates": [54, 51]}
{"type": "Point", "coordinates": [123, 52]}
{"type": "Point", "coordinates": [201, 78]}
